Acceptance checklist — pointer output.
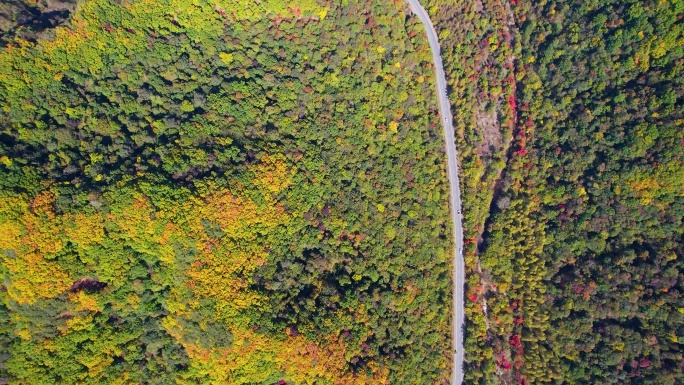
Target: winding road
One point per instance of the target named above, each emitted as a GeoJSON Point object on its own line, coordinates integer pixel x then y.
{"type": "Point", "coordinates": [452, 161]}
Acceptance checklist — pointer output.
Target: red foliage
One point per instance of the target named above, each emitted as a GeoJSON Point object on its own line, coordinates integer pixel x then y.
{"type": "Point", "coordinates": [502, 362]}
{"type": "Point", "coordinates": [515, 341]}
{"type": "Point", "coordinates": [473, 297]}
{"type": "Point", "coordinates": [108, 28]}
{"type": "Point", "coordinates": [295, 10]}
{"type": "Point", "coordinates": [511, 103]}
{"type": "Point", "coordinates": [578, 288]}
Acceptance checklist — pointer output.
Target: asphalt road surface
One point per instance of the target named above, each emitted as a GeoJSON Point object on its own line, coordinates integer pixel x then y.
{"type": "Point", "coordinates": [452, 161]}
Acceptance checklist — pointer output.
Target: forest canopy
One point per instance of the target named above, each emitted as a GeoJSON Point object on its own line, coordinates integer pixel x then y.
{"type": "Point", "coordinates": [223, 192]}
{"type": "Point", "coordinates": [570, 134]}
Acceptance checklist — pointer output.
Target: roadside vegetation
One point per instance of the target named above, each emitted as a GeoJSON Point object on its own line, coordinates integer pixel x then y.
{"type": "Point", "coordinates": [569, 118]}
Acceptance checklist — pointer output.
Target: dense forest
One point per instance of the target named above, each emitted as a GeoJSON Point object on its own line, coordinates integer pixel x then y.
{"type": "Point", "coordinates": [254, 192]}
{"type": "Point", "coordinates": [571, 134]}
{"type": "Point", "coordinates": [222, 191]}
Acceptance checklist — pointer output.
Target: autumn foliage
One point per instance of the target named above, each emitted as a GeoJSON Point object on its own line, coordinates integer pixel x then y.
{"type": "Point", "coordinates": [222, 192]}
